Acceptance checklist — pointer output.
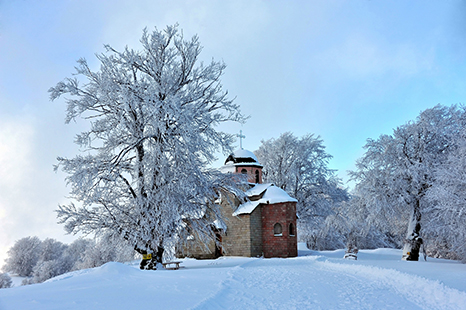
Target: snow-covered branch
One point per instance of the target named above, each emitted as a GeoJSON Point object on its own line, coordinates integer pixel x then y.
{"type": "Point", "coordinates": [152, 134]}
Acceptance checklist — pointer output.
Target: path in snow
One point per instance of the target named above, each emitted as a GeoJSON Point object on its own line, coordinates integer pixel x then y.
{"type": "Point", "coordinates": [316, 283]}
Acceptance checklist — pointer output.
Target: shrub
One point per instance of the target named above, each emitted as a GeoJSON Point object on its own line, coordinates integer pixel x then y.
{"type": "Point", "coordinates": [5, 280]}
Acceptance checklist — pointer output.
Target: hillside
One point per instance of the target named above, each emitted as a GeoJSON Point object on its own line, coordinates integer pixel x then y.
{"type": "Point", "coordinates": [317, 280]}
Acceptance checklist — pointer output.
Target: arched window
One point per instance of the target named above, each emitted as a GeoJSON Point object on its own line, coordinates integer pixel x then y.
{"type": "Point", "coordinates": [257, 176]}
{"type": "Point", "coordinates": [277, 229]}
{"type": "Point", "coordinates": [292, 232]}
{"type": "Point", "coordinates": [244, 171]}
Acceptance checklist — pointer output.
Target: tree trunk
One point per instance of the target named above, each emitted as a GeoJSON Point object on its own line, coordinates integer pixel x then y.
{"type": "Point", "coordinates": [413, 241]}
{"type": "Point", "coordinates": [151, 260]}
{"type": "Point", "coordinates": [351, 247]}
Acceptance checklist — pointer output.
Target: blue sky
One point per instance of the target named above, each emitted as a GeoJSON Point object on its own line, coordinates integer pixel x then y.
{"type": "Point", "coordinates": [344, 70]}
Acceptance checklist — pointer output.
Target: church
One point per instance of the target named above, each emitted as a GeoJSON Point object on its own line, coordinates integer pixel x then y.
{"type": "Point", "coordinates": [261, 225]}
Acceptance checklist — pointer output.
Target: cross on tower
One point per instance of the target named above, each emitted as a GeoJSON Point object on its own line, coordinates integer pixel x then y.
{"type": "Point", "coordinates": [241, 136]}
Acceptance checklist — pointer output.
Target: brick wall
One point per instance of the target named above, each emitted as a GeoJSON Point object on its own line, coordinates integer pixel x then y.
{"type": "Point", "coordinates": [251, 173]}
{"type": "Point", "coordinates": [279, 246]}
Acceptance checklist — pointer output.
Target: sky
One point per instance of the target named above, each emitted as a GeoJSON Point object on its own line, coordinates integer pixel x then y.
{"type": "Point", "coordinates": [342, 70]}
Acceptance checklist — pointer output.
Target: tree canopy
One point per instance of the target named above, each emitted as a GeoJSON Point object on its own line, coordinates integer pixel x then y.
{"type": "Point", "coordinates": [153, 115]}
{"type": "Point", "coordinates": [300, 167]}
{"type": "Point", "coordinates": [397, 171]}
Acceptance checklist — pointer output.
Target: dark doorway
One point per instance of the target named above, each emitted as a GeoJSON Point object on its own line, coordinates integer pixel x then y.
{"type": "Point", "coordinates": [218, 245]}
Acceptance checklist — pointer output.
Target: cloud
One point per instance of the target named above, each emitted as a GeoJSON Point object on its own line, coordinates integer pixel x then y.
{"type": "Point", "coordinates": [15, 161]}
{"type": "Point", "coordinates": [15, 151]}
{"type": "Point", "coordinates": [29, 189]}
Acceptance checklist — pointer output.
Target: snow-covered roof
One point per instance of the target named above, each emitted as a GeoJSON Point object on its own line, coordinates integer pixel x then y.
{"type": "Point", "coordinates": [273, 194]}
{"type": "Point", "coordinates": [242, 157]}
{"type": "Point", "coordinates": [247, 164]}
{"type": "Point", "coordinates": [258, 189]}
{"type": "Point", "coordinates": [240, 153]}
{"type": "Point", "coordinates": [247, 207]}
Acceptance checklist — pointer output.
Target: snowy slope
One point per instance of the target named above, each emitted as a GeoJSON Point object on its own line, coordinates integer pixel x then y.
{"type": "Point", "coordinates": [315, 280]}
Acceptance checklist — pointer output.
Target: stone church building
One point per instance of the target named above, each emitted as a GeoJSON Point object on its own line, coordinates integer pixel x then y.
{"type": "Point", "coordinates": [263, 224]}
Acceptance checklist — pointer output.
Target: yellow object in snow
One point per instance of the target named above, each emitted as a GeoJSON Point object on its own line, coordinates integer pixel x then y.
{"type": "Point", "coordinates": [146, 256]}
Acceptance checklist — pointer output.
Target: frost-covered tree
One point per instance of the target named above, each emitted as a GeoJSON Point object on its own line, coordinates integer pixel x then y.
{"type": "Point", "coordinates": [74, 254]}
{"type": "Point", "coordinates": [53, 258]}
{"type": "Point", "coordinates": [51, 262]}
{"type": "Point", "coordinates": [300, 167]}
{"type": "Point", "coordinates": [446, 212]}
{"type": "Point", "coordinates": [153, 115]}
{"type": "Point", "coordinates": [396, 171]}
{"type": "Point", "coordinates": [45, 270]}
{"type": "Point", "coordinates": [51, 249]}
{"type": "Point", "coordinates": [364, 228]}
{"type": "Point", "coordinates": [5, 280]}
{"type": "Point", "coordinates": [23, 256]}
{"type": "Point", "coordinates": [107, 249]}
{"type": "Point", "coordinates": [95, 256]}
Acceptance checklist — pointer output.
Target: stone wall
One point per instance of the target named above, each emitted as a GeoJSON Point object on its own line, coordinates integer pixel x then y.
{"type": "Point", "coordinates": [236, 240]}
{"type": "Point", "coordinates": [244, 234]}
{"type": "Point", "coordinates": [256, 232]}
{"type": "Point", "coordinates": [195, 249]}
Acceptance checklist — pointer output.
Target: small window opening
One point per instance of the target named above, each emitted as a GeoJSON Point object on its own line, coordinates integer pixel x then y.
{"type": "Point", "coordinates": [257, 176]}
{"type": "Point", "coordinates": [244, 171]}
{"type": "Point", "coordinates": [292, 230]}
{"type": "Point", "coordinates": [277, 229]}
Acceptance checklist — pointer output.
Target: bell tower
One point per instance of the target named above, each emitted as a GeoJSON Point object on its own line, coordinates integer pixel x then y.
{"type": "Point", "coordinates": [245, 162]}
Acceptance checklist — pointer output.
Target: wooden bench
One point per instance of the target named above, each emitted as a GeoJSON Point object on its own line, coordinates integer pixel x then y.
{"type": "Point", "coordinates": [171, 265]}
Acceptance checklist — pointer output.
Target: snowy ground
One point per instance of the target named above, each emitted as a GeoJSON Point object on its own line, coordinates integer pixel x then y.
{"type": "Point", "coordinates": [314, 280]}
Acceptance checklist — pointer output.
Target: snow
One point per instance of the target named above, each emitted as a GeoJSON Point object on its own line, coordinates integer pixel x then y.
{"type": "Point", "coordinates": [273, 194]}
{"type": "Point", "coordinates": [220, 225]}
{"type": "Point", "coordinates": [228, 168]}
{"type": "Point", "coordinates": [240, 153]}
{"type": "Point", "coordinates": [317, 280]}
{"type": "Point", "coordinates": [247, 207]}
{"type": "Point", "coordinates": [247, 164]}
{"type": "Point", "coordinates": [257, 189]}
